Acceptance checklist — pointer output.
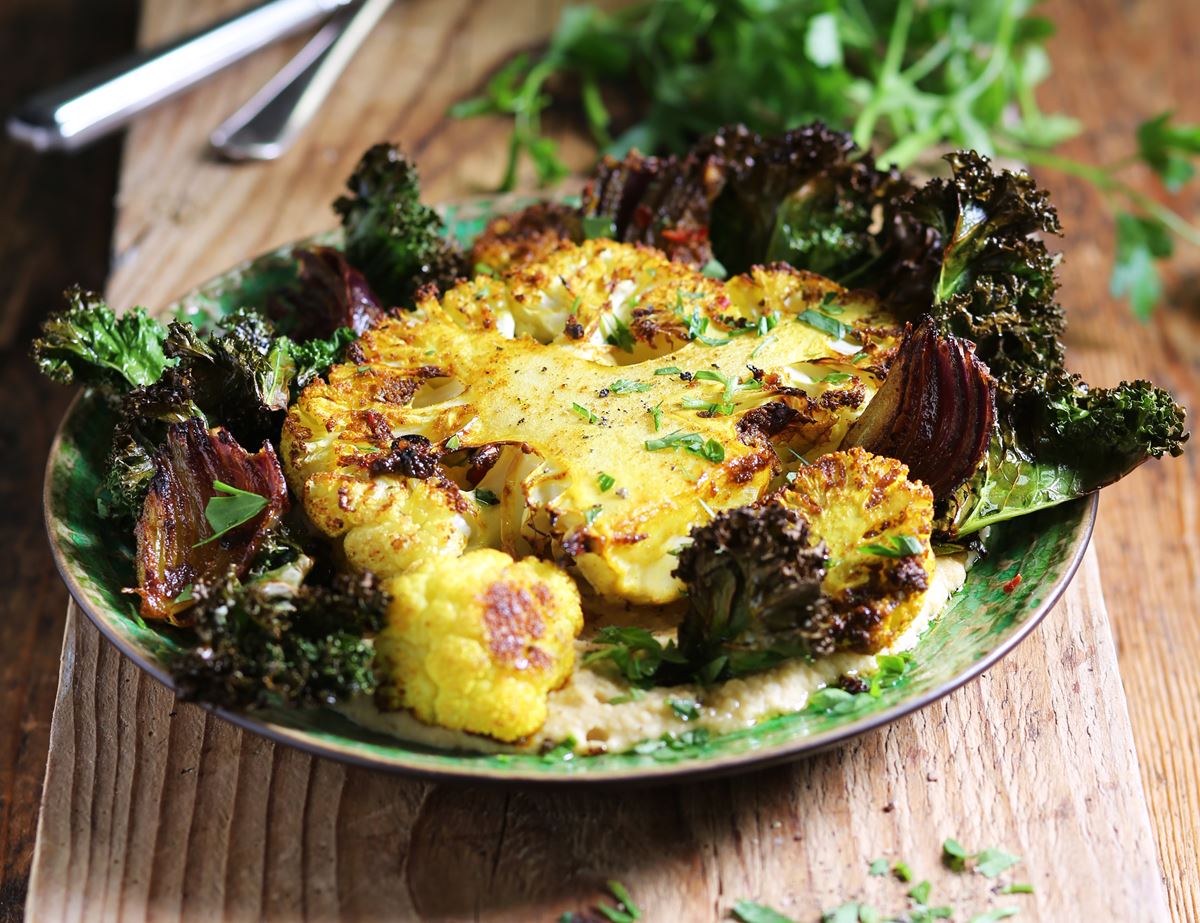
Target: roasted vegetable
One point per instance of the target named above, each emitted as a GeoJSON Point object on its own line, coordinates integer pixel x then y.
{"type": "Point", "coordinates": [394, 240]}
{"type": "Point", "coordinates": [329, 295]}
{"type": "Point", "coordinates": [478, 642]}
{"type": "Point", "coordinates": [243, 376]}
{"type": "Point", "coordinates": [276, 640]}
{"type": "Point", "coordinates": [935, 412]}
{"type": "Point", "coordinates": [489, 418]}
{"type": "Point", "coordinates": [210, 503]}
{"type": "Point", "coordinates": [876, 525]}
{"type": "Point", "coordinates": [89, 345]}
{"type": "Point", "coordinates": [1056, 438]}
{"type": "Point", "coordinates": [753, 579]}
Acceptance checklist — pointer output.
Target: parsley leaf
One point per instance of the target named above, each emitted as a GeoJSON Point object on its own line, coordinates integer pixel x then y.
{"type": "Point", "coordinates": [823, 322]}
{"type": "Point", "coordinates": [991, 862]}
{"type": "Point", "coordinates": [694, 443]}
{"type": "Point", "coordinates": [897, 546]}
{"type": "Point", "coordinates": [750, 912]}
{"type": "Point", "coordinates": [226, 513]}
{"type": "Point", "coordinates": [617, 333]}
{"type": "Point", "coordinates": [685, 709]}
{"type": "Point", "coordinates": [584, 414]}
{"type": "Point", "coordinates": [625, 386]}
{"type": "Point", "coordinates": [605, 482]}
{"type": "Point", "coordinates": [485, 497]}
{"type": "Point", "coordinates": [656, 412]}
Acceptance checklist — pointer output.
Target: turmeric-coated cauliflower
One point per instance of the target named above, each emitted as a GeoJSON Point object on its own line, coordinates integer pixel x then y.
{"type": "Point", "coordinates": [877, 525]}
{"type": "Point", "coordinates": [477, 643]}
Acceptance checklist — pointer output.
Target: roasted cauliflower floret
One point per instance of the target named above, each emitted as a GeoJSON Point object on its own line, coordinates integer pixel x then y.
{"type": "Point", "coordinates": [505, 401]}
{"type": "Point", "coordinates": [477, 644]}
{"type": "Point", "coordinates": [876, 525]}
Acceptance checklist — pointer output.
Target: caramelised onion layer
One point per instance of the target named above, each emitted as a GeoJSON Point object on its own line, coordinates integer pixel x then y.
{"type": "Point", "coordinates": [173, 521]}
{"type": "Point", "coordinates": [935, 412]}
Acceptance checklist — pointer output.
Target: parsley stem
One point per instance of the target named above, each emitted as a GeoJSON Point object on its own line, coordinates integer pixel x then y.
{"type": "Point", "coordinates": [864, 125]}
{"type": "Point", "coordinates": [1104, 180]}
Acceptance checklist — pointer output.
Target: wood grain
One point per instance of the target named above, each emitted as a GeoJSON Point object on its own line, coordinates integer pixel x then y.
{"type": "Point", "coordinates": [166, 814]}
{"type": "Point", "coordinates": [161, 813]}
{"type": "Point", "coordinates": [55, 223]}
{"type": "Point", "coordinates": [1117, 64]}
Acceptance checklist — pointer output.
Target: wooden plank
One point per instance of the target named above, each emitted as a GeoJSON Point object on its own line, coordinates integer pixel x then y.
{"type": "Point", "coordinates": [166, 814]}
{"type": "Point", "coordinates": [199, 818]}
{"type": "Point", "coordinates": [1117, 64]}
{"type": "Point", "coordinates": [56, 218]}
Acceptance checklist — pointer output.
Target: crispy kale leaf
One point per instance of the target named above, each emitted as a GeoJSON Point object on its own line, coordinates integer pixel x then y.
{"type": "Point", "coordinates": [754, 593]}
{"type": "Point", "coordinates": [1057, 438]}
{"type": "Point", "coordinates": [243, 376]}
{"type": "Point", "coordinates": [274, 638]}
{"type": "Point", "coordinates": [87, 343]}
{"type": "Point", "coordinates": [394, 240]}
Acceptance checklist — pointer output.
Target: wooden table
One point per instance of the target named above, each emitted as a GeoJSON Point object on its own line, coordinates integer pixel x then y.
{"type": "Point", "coordinates": [156, 811]}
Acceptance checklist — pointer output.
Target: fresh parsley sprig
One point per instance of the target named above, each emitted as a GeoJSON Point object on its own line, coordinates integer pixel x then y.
{"type": "Point", "coordinates": [908, 78]}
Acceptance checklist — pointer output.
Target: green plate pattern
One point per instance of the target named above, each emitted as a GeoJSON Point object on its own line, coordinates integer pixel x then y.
{"type": "Point", "coordinates": [981, 624]}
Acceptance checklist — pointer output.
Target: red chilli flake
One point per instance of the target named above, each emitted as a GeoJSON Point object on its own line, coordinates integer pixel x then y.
{"type": "Point", "coordinates": [1012, 584]}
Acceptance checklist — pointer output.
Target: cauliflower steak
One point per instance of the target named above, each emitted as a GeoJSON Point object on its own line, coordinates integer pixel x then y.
{"type": "Point", "coordinates": [589, 409]}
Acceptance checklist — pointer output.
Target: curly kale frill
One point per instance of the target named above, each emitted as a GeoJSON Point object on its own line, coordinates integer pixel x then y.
{"type": "Point", "coordinates": [276, 639]}
{"type": "Point", "coordinates": [88, 344]}
{"type": "Point", "coordinates": [394, 240]}
{"type": "Point", "coordinates": [1056, 438]}
{"type": "Point", "coordinates": [754, 593]}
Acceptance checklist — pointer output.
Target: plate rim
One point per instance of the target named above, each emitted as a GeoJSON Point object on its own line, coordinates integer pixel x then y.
{"type": "Point", "coordinates": [656, 774]}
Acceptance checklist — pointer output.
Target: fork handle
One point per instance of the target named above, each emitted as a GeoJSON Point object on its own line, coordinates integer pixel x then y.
{"type": "Point", "coordinates": [85, 108]}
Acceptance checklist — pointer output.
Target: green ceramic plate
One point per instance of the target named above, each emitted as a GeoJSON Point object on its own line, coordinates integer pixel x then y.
{"type": "Point", "coordinates": [981, 624]}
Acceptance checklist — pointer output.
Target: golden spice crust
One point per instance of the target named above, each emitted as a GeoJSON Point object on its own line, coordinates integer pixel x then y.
{"type": "Point", "coordinates": [857, 502]}
{"type": "Point", "coordinates": [527, 236]}
{"type": "Point", "coordinates": [476, 644]}
{"type": "Point", "coordinates": [537, 387]}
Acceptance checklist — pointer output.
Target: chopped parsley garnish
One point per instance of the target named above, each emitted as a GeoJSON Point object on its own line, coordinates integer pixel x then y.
{"type": "Point", "coordinates": [669, 370]}
{"type": "Point", "coordinates": [954, 855]}
{"type": "Point", "coordinates": [634, 652]}
{"type": "Point", "coordinates": [823, 322]}
{"type": "Point", "coordinates": [592, 513]}
{"type": "Point", "coordinates": [626, 911]}
{"type": "Point", "coordinates": [897, 547]}
{"type": "Point", "coordinates": [561, 753]}
{"type": "Point", "coordinates": [920, 892]}
{"type": "Point", "coordinates": [656, 413]}
{"type": "Point", "coordinates": [617, 333]}
{"type": "Point", "coordinates": [878, 868]}
{"type": "Point", "coordinates": [859, 357]}
{"type": "Point", "coordinates": [453, 443]}
{"type": "Point", "coordinates": [584, 414]}
{"type": "Point", "coordinates": [711, 450]}
{"type": "Point", "coordinates": [661, 747]}
{"type": "Point", "coordinates": [992, 916]}
{"type": "Point", "coordinates": [633, 695]}
{"type": "Point", "coordinates": [728, 383]}
{"type": "Point", "coordinates": [767, 323]}
{"type": "Point", "coordinates": [1018, 888]}
{"type": "Point", "coordinates": [829, 305]}
{"type": "Point", "coordinates": [605, 482]}
{"type": "Point", "coordinates": [757, 349]}
{"type": "Point", "coordinates": [226, 513]}
{"type": "Point", "coordinates": [750, 384]}
{"type": "Point", "coordinates": [485, 497]}
{"type": "Point", "coordinates": [715, 409]}
{"type": "Point", "coordinates": [834, 701]}
{"type": "Point", "coordinates": [902, 871]}
{"type": "Point", "coordinates": [625, 386]}
{"type": "Point", "coordinates": [750, 912]}
{"type": "Point", "coordinates": [483, 269]}
{"type": "Point", "coordinates": [991, 862]}
{"type": "Point", "coordinates": [836, 378]}
{"type": "Point", "coordinates": [685, 709]}
{"type": "Point", "coordinates": [595, 226]}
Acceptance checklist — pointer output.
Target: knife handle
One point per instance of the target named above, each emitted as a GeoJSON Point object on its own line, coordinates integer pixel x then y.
{"type": "Point", "coordinates": [85, 108]}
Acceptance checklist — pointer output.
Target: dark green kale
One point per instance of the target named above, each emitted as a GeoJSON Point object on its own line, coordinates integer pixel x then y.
{"type": "Point", "coordinates": [87, 343]}
{"type": "Point", "coordinates": [277, 639]}
{"type": "Point", "coordinates": [754, 593]}
{"type": "Point", "coordinates": [1056, 438]}
{"type": "Point", "coordinates": [394, 240]}
{"type": "Point", "coordinates": [243, 375]}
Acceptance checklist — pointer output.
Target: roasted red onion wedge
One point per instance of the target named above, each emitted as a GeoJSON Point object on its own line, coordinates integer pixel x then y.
{"type": "Point", "coordinates": [178, 541]}
{"type": "Point", "coordinates": [935, 412]}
